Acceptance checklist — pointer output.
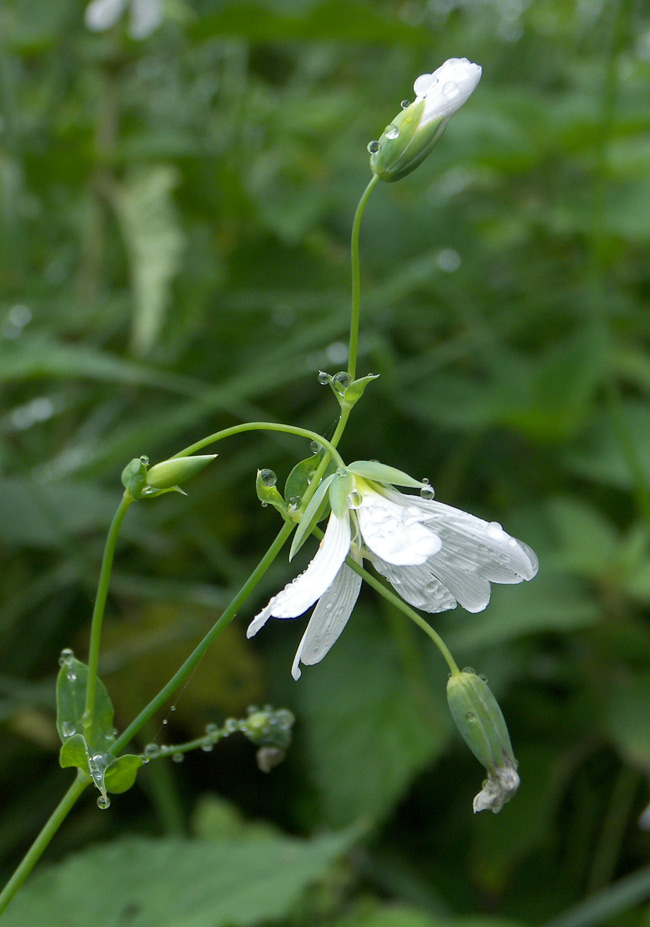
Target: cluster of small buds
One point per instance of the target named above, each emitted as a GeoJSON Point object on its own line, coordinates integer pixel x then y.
{"type": "Point", "coordinates": [267, 728]}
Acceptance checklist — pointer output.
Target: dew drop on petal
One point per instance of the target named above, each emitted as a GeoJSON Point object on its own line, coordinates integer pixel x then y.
{"type": "Point", "coordinates": [424, 84]}
{"type": "Point", "coordinates": [391, 133]}
{"type": "Point", "coordinates": [427, 491]}
{"type": "Point", "coordinates": [373, 148]}
{"type": "Point", "coordinates": [450, 89]}
{"type": "Point", "coordinates": [355, 500]}
{"type": "Point", "coordinates": [495, 531]}
{"type": "Point", "coordinates": [268, 477]}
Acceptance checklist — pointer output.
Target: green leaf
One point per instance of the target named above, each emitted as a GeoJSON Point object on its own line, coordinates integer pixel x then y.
{"type": "Point", "coordinates": [155, 242]}
{"type": "Point", "coordinates": [301, 476]}
{"type": "Point", "coordinates": [121, 773]}
{"type": "Point", "coordinates": [382, 473]}
{"type": "Point", "coordinates": [71, 688]}
{"type": "Point", "coordinates": [173, 881]}
{"type": "Point", "coordinates": [73, 752]}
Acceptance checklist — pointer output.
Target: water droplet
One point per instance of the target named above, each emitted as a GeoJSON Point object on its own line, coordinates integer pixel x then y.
{"type": "Point", "coordinates": [103, 802]}
{"type": "Point", "coordinates": [343, 378]}
{"type": "Point", "coordinates": [373, 146]}
{"type": "Point", "coordinates": [70, 676]}
{"type": "Point", "coordinates": [450, 89]}
{"type": "Point", "coordinates": [405, 104]}
{"type": "Point", "coordinates": [469, 670]}
{"type": "Point", "coordinates": [207, 746]}
{"type": "Point", "coordinates": [424, 84]}
{"type": "Point", "coordinates": [315, 449]}
{"type": "Point", "coordinates": [483, 677]}
{"type": "Point", "coordinates": [144, 461]}
{"type": "Point", "coordinates": [323, 378]}
{"type": "Point", "coordinates": [151, 751]}
{"type": "Point", "coordinates": [177, 757]}
{"type": "Point", "coordinates": [392, 132]}
{"type": "Point", "coordinates": [268, 477]}
{"type": "Point", "coordinates": [144, 759]}
{"type": "Point", "coordinates": [427, 491]}
{"type": "Point", "coordinates": [165, 721]}
{"type": "Point", "coordinates": [284, 718]}
{"type": "Point", "coordinates": [265, 505]}
{"type": "Point", "coordinates": [66, 657]}
{"type": "Point", "coordinates": [355, 500]}
{"type": "Point", "coordinates": [231, 725]}
{"type": "Point", "coordinates": [172, 707]}
{"type": "Point", "coordinates": [469, 716]}
{"type": "Point", "coordinates": [495, 531]}
{"type": "Point", "coordinates": [68, 729]}
{"type": "Point", "coordinates": [211, 729]}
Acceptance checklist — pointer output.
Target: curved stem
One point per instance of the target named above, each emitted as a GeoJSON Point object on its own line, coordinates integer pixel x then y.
{"type": "Point", "coordinates": [262, 426]}
{"type": "Point", "coordinates": [40, 844]}
{"type": "Point", "coordinates": [188, 666]}
{"type": "Point", "coordinates": [100, 604]}
{"type": "Point", "coordinates": [356, 277]}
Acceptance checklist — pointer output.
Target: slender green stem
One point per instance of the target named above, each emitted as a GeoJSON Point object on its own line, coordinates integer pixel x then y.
{"type": "Point", "coordinates": [40, 844]}
{"type": "Point", "coordinates": [356, 278]}
{"type": "Point", "coordinates": [188, 666]}
{"type": "Point", "coordinates": [100, 604]}
{"type": "Point", "coordinates": [262, 426]}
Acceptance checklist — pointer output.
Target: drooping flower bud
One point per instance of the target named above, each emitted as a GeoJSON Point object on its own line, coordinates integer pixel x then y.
{"type": "Point", "coordinates": [479, 719]}
{"type": "Point", "coordinates": [409, 138]}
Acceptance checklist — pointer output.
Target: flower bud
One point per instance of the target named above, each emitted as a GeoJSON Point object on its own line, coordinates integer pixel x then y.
{"type": "Point", "coordinates": [479, 719]}
{"type": "Point", "coordinates": [413, 133]}
{"type": "Point", "coordinates": [169, 473]}
{"type": "Point", "coordinates": [134, 476]}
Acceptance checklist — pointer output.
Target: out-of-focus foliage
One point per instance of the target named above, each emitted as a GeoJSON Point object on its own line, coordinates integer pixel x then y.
{"type": "Point", "coordinates": [174, 225]}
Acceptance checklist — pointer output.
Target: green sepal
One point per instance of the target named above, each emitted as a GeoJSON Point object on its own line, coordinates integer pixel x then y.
{"type": "Point", "coordinates": [71, 686]}
{"type": "Point", "coordinates": [168, 474]}
{"type": "Point", "coordinates": [120, 775]}
{"type": "Point", "coordinates": [339, 491]}
{"type": "Point", "coordinates": [382, 473]}
{"type": "Point", "coordinates": [357, 388]}
{"type": "Point", "coordinates": [134, 476]}
{"type": "Point", "coordinates": [311, 516]}
{"type": "Point", "coordinates": [301, 476]}
{"type": "Point", "coordinates": [74, 753]}
{"type": "Point", "coordinates": [479, 719]}
{"type": "Point", "coordinates": [270, 495]}
{"type": "Point", "coordinates": [397, 157]}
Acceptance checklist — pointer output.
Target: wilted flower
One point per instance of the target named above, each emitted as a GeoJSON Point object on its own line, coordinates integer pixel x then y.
{"type": "Point", "coordinates": [145, 16]}
{"type": "Point", "coordinates": [435, 556]}
{"type": "Point", "coordinates": [409, 138]}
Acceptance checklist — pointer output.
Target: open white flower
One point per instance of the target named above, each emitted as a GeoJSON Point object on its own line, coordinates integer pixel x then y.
{"type": "Point", "coordinates": [145, 16]}
{"type": "Point", "coordinates": [435, 556]}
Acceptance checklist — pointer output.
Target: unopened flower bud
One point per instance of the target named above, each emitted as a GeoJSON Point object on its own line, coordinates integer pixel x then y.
{"type": "Point", "coordinates": [412, 134]}
{"type": "Point", "coordinates": [479, 719]}
{"type": "Point", "coordinates": [169, 473]}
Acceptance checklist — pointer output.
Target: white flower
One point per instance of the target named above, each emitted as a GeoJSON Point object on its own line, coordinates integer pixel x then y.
{"type": "Point", "coordinates": [435, 556]}
{"type": "Point", "coordinates": [499, 787]}
{"type": "Point", "coordinates": [413, 133]}
{"type": "Point", "coordinates": [145, 16]}
{"type": "Point", "coordinates": [445, 91]}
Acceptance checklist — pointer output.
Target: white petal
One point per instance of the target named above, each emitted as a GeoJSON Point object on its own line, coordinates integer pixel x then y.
{"type": "Point", "coordinates": [394, 530]}
{"type": "Point", "coordinates": [417, 586]}
{"type": "Point", "coordinates": [473, 554]}
{"type": "Point", "coordinates": [328, 620]}
{"type": "Point", "coordinates": [447, 88]}
{"type": "Point", "coordinates": [302, 592]}
{"type": "Point", "coordinates": [102, 14]}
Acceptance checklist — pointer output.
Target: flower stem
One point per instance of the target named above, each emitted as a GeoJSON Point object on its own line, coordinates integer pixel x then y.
{"type": "Point", "coordinates": [188, 666]}
{"type": "Point", "coordinates": [356, 277]}
{"type": "Point", "coordinates": [262, 426]}
{"type": "Point", "coordinates": [40, 844]}
{"type": "Point", "coordinates": [100, 604]}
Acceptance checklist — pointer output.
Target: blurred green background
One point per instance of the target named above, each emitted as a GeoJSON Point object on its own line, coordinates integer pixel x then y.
{"type": "Point", "coordinates": [175, 218]}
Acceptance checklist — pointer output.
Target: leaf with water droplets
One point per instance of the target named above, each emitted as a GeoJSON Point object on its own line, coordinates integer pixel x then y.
{"type": "Point", "coordinates": [71, 686]}
{"type": "Point", "coordinates": [374, 470]}
{"type": "Point", "coordinates": [73, 752]}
